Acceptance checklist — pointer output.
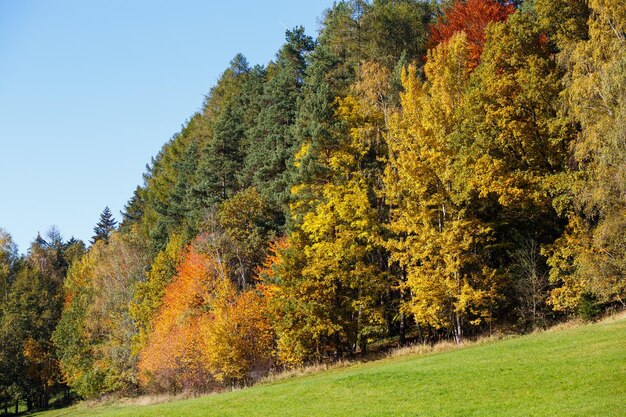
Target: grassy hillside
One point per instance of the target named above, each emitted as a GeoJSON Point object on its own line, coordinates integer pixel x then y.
{"type": "Point", "coordinates": [577, 371]}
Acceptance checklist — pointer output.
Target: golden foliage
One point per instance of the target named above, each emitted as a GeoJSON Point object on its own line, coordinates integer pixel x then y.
{"type": "Point", "coordinates": [205, 330]}
{"type": "Point", "coordinates": [435, 239]}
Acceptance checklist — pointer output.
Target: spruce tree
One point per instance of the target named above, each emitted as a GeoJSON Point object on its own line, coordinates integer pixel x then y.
{"type": "Point", "coordinates": [272, 142]}
{"type": "Point", "coordinates": [221, 158]}
{"type": "Point", "coordinates": [104, 227]}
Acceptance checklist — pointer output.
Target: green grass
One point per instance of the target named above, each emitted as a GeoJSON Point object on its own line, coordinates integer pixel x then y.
{"type": "Point", "coordinates": [578, 371]}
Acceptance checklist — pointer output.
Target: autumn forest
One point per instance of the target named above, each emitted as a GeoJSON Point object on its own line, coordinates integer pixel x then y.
{"type": "Point", "coordinates": [421, 171]}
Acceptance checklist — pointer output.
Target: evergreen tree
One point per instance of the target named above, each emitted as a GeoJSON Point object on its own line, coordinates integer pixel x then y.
{"type": "Point", "coordinates": [173, 207]}
{"type": "Point", "coordinates": [221, 158]}
{"type": "Point", "coordinates": [104, 227]}
{"type": "Point", "coordinates": [271, 140]}
{"type": "Point", "coordinates": [133, 210]}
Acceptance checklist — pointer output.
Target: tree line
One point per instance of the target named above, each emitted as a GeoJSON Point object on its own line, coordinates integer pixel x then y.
{"type": "Point", "coordinates": [420, 171]}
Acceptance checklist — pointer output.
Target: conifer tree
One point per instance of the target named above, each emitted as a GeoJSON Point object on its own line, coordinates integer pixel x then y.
{"type": "Point", "coordinates": [272, 143]}
{"type": "Point", "coordinates": [104, 227]}
{"type": "Point", "coordinates": [221, 158]}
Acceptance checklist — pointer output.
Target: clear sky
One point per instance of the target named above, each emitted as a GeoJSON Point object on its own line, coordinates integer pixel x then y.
{"type": "Point", "coordinates": [91, 90]}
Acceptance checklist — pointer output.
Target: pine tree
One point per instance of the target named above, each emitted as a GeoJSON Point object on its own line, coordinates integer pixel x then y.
{"type": "Point", "coordinates": [221, 156]}
{"type": "Point", "coordinates": [271, 141]}
{"type": "Point", "coordinates": [105, 226]}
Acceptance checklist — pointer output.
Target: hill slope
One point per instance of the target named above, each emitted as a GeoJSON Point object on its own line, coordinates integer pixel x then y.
{"type": "Point", "coordinates": [578, 371]}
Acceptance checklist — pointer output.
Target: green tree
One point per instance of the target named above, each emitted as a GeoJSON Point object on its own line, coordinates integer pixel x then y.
{"type": "Point", "coordinates": [104, 227]}
{"type": "Point", "coordinates": [30, 315]}
{"type": "Point", "coordinates": [395, 28]}
{"type": "Point", "coordinates": [96, 330]}
{"type": "Point", "coordinates": [9, 263]}
{"type": "Point", "coordinates": [246, 222]}
{"type": "Point", "coordinates": [221, 159]}
{"type": "Point", "coordinates": [165, 202]}
{"type": "Point", "coordinates": [272, 143]}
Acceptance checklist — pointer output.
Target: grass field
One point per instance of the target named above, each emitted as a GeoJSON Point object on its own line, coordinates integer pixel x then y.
{"type": "Point", "coordinates": [578, 371]}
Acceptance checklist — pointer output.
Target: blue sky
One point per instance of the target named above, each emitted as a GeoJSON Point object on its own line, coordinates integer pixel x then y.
{"type": "Point", "coordinates": [90, 91]}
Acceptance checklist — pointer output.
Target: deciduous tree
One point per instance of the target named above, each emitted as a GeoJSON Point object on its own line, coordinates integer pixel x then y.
{"type": "Point", "coordinates": [436, 239]}
{"type": "Point", "coordinates": [472, 18]}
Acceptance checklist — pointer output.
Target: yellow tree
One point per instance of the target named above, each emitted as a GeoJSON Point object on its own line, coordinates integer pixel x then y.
{"type": "Point", "coordinates": [515, 136]}
{"type": "Point", "coordinates": [332, 276]}
{"type": "Point", "coordinates": [94, 335]}
{"type": "Point", "coordinates": [514, 139]}
{"type": "Point", "coordinates": [329, 286]}
{"type": "Point", "coordinates": [588, 261]}
{"type": "Point", "coordinates": [435, 239]}
{"type": "Point", "coordinates": [239, 341]}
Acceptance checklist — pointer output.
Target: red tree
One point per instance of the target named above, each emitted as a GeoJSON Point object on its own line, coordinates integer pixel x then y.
{"type": "Point", "coordinates": [471, 17]}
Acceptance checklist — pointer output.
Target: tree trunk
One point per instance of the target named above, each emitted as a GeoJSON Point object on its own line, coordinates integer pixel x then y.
{"type": "Point", "coordinates": [402, 329]}
{"type": "Point", "coordinates": [420, 335]}
{"type": "Point", "coordinates": [363, 346]}
{"type": "Point", "coordinates": [337, 347]}
{"type": "Point", "coordinates": [402, 315]}
{"type": "Point", "coordinates": [458, 331]}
